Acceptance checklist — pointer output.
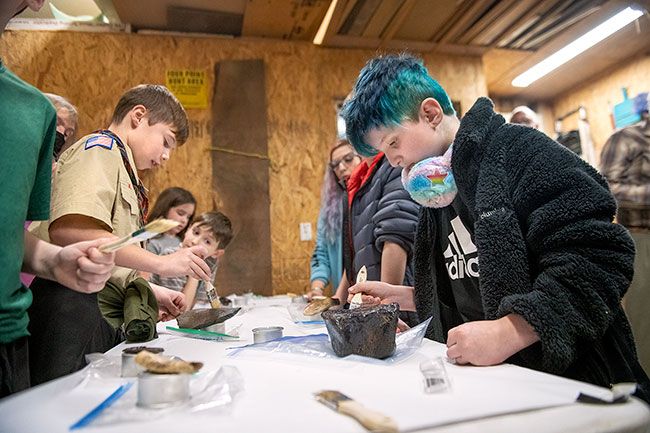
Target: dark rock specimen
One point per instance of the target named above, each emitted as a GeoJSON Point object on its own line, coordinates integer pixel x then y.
{"type": "Point", "coordinates": [367, 331]}
{"type": "Point", "coordinates": [203, 317]}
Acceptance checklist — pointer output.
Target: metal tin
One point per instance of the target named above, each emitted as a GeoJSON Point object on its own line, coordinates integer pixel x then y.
{"type": "Point", "coordinates": [158, 391]}
{"type": "Point", "coordinates": [262, 335]}
{"type": "Point", "coordinates": [129, 367]}
{"type": "Point", "coordinates": [217, 327]}
{"type": "Point", "coordinates": [299, 300]}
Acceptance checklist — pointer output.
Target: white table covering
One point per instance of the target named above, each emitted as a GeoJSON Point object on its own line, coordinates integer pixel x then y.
{"type": "Point", "coordinates": [279, 389]}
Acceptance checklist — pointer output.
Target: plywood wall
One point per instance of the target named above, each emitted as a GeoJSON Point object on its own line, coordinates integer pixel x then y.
{"type": "Point", "coordinates": [302, 84]}
{"type": "Point", "coordinates": [600, 94]}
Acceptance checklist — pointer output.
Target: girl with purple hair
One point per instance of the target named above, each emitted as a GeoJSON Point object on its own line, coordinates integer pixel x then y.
{"type": "Point", "coordinates": [327, 261]}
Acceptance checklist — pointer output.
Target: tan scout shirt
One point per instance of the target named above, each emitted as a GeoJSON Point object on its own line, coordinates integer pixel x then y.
{"type": "Point", "coordinates": [91, 180]}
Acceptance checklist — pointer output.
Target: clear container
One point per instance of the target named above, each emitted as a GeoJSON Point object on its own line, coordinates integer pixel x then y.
{"type": "Point", "coordinates": [239, 301]}
{"type": "Point", "coordinates": [435, 375]}
{"type": "Point", "coordinates": [219, 328]}
{"type": "Point", "coordinates": [296, 312]}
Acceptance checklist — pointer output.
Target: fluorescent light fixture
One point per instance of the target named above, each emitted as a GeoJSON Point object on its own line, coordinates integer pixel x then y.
{"type": "Point", "coordinates": [320, 34]}
{"type": "Point", "coordinates": [576, 47]}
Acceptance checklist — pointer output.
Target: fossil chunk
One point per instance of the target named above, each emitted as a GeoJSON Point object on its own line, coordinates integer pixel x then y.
{"type": "Point", "coordinates": [203, 317]}
{"type": "Point", "coordinates": [154, 363]}
{"type": "Point", "coordinates": [367, 331]}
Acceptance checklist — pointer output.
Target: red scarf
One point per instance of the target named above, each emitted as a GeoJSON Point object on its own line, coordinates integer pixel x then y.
{"type": "Point", "coordinates": [361, 175]}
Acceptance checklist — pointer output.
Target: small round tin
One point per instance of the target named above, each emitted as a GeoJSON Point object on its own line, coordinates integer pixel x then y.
{"type": "Point", "coordinates": [299, 300]}
{"type": "Point", "coordinates": [158, 391]}
{"type": "Point", "coordinates": [129, 367]}
{"type": "Point", "coordinates": [268, 333]}
{"type": "Point", "coordinates": [217, 327]}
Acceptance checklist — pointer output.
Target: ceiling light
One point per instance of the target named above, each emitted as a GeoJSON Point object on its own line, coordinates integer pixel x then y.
{"type": "Point", "coordinates": [576, 47]}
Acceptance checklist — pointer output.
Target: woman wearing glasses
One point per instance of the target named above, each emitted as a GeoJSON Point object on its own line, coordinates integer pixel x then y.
{"type": "Point", "coordinates": [326, 261]}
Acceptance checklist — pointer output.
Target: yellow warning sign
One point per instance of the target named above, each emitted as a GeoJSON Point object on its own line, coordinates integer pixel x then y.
{"type": "Point", "coordinates": [189, 86]}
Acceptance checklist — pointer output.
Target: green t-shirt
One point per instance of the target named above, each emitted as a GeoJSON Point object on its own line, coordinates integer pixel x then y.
{"type": "Point", "coordinates": [27, 131]}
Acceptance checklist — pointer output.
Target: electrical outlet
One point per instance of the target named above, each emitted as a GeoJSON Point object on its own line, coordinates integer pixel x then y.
{"type": "Point", "coordinates": [305, 231]}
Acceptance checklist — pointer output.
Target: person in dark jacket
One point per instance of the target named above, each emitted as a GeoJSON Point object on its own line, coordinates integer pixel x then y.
{"type": "Point", "coordinates": [516, 255]}
{"type": "Point", "coordinates": [380, 229]}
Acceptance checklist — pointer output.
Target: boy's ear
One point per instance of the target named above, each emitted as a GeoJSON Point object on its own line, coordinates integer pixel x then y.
{"type": "Point", "coordinates": [217, 254]}
{"type": "Point", "coordinates": [137, 115]}
{"type": "Point", "coordinates": [431, 112]}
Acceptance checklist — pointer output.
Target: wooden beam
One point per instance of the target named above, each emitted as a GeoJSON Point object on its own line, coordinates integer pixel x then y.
{"type": "Point", "coordinates": [523, 23]}
{"type": "Point", "coordinates": [337, 19]}
{"type": "Point", "coordinates": [342, 41]}
{"type": "Point", "coordinates": [504, 22]}
{"type": "Point", "coordinates": [539, 39]}
{"type": "Point", "coordinates": [461, 50]}
{"type": "Point", "coordinates": [358, 19]}
{"type": "Point", "coordinates": [550, 18]}
{"type": "Point", "coordinates": [381, 18]}
{"type": "Point", "coordinates": [291, 20]}
{"type": "Point", "coordinates": [397, 21]}
{"type": "Point", "coordinates": [400, 44]}
{"type": "Point", "coordinates": [462, 8]}
{"type": "Point", "coordinates": [495, 13]}
{"type": "Point", "coordinates": [465, 19]}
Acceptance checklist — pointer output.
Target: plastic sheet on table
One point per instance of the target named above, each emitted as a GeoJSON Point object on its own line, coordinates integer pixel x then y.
{"type": "Point", "coordinates": [214, 390]}
{"type": "Point", "coordinates": [318, 345]}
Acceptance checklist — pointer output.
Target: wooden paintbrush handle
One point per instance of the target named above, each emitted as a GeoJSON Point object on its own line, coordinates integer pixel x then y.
{"type": "Point", "coordinates": [116, 245]}
{"type": "Point", "coordinates": [373, 421]}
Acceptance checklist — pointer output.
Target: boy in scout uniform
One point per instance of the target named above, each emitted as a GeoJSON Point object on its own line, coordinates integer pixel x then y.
{"type": "Point", "coordinates": [97, 192]}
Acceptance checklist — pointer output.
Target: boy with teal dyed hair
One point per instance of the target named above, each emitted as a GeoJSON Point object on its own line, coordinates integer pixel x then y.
{"type": "Point", "coordinates": [538, 219]}
{"type": "Point", "coordinates": [389, 98]}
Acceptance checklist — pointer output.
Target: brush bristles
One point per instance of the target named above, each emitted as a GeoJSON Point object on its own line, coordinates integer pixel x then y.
{"type": "Point", "coordinates": [331, 398]}
{"type": "Point", "coordinates": [161, 225]}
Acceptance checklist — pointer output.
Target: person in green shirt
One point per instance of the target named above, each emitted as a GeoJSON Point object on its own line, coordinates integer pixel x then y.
{"type": "Point", "coordinates": [27, 131]}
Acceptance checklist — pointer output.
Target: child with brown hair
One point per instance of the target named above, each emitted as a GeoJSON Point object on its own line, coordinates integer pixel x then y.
{"type": "Point", "coordinates": [213, 231]}
{"type": "Point", "coordinates": [175, 204]}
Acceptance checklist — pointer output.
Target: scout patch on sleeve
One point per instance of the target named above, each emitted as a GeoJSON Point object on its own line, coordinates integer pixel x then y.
{"type": "Point", "coordinates": [99, 140]}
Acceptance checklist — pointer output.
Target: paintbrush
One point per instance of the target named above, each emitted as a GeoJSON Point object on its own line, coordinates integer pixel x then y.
{"type": "Point", "coordinates": [213, 296]}
{"type": "Point", "coordinates": [371, 420]}
{"type": "Point", "coordinates": [357, 301]}
{"type": "Point", "coordinates": [152, 229]}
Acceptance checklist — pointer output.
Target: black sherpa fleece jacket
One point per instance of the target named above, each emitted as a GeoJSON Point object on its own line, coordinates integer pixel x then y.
{"type": "Point", "coordinates": [548, 250]}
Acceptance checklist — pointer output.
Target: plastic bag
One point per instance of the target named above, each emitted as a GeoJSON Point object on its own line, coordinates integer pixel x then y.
{"type": "Point", "coordinates": [318, 345]}
{"type": "Point", "coordinates": [209, 390]}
